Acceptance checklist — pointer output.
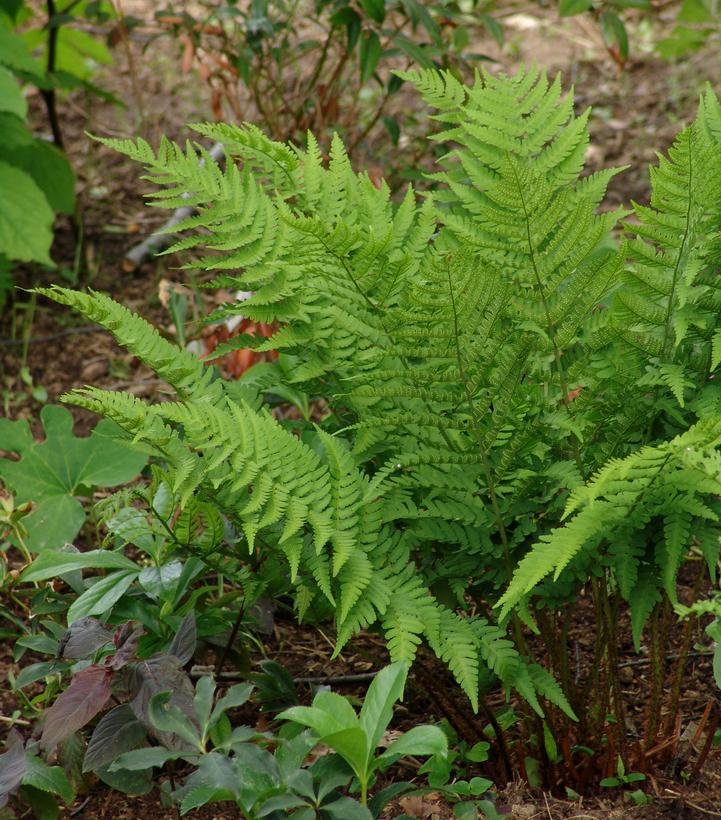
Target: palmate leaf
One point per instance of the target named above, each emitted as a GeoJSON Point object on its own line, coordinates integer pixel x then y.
{"type": "Point", "coordinates": [50, 473]}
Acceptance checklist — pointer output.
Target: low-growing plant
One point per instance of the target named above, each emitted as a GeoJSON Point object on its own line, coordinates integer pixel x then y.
{"type": "Point", "coordinates": [231, 763]}
{"type": "Point", "coordinates": [521, 392]}
{"type": "Point", "coordinates": [27, 781]}
{"type": "Point", "coordinates": [50, 474]}
{"type": "Point", "coordinates": [355, 738]}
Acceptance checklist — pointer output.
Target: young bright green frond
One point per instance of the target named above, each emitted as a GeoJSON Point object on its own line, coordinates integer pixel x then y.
{"type": "Point", "coordinates": [180, 368]}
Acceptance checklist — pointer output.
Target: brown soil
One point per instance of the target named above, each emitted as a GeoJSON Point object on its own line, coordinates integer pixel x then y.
{"type": "Point", "coordinates": [636, 114]}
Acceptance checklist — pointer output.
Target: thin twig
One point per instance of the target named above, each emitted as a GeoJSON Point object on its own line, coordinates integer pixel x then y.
{"type": "Point", "coordinates": [14, 721]}
{"type": "Point", "coordinates": [358, 677]}
{"type": "Point", "coordinates": [672, 657]}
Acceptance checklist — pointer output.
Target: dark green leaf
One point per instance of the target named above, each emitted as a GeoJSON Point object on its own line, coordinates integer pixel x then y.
{"type": "Point", "coordinates": [51, 171]}
{"type": "Point", "coordinates": [614, 33]}
{"type": "Point", "coordinates": [370, 54]}
{"type": "Point", "coordinates": [53, 563]}
{"type": "Point", "coordinates": [51, 472]}
{"type": "Point", "coordinates": [48, 778]}
{"type": "Point", "coordinates": [376, 9]}
{"type": "Point", "coordinates": [569, 8]}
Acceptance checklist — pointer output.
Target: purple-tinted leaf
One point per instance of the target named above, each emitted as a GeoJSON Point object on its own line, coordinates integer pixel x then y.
{"type": "Point", "coordinates": [12, 767]}
{"type": "Point", "coordinates": [161, 673]}
{"type": "Point", "coordinates": [87, 695]}
{"type": "Point", "coordinates": [82, 638]}
{"type": "Point", "coordinates": [263, 613]}
{"type": "Point", "coordinates": [127, 643]}
{"type": "Point", "coordinates": [117, 732]}
{"type": "Point", "coordinates": [183, 645]}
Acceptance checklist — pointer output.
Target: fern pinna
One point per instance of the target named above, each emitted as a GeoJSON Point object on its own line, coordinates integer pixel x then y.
{"type": "Point", "coordinates": [477, 350]}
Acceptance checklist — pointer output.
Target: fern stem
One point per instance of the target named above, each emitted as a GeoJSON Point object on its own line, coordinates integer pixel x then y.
{"type": "Point", "coordinates": [683, 654]}
{"type": "Point", "coordinates": [657, 659]}
{"type": "Point", "coordinates": [610, 614]}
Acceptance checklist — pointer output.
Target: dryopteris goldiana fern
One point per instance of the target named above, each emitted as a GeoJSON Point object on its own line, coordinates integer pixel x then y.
{"type": "Point", "coordinates": [480, 354]}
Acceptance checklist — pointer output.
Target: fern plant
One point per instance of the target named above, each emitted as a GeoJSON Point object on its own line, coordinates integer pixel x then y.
{"type": "Point", "coordinates": [515, 393]}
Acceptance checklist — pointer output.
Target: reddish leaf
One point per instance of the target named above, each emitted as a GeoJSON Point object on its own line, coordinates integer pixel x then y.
{"type": "Point", "coordinates": [127, 643]}
{"type": "Point", "coordinates": [87, 695]}
{"type": "Point", "coordinates": [83, 638]}
{"type": "Point", "coordinates": [12, 767]}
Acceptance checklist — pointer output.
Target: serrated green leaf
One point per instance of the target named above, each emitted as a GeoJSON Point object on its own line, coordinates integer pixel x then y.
{"type": "Point", "coordinates": [48, 779]}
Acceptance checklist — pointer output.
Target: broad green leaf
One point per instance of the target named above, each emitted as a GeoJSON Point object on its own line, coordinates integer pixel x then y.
{"type": "Point", "coordinates": [48, 778]}
{"type": "Point", "coordinates": [151, 757]}
{"type": "Point", "coordinates": [43, 805]}
{"type": "Point", "coordinates": [102, 595]}
{"type": "Point", "coordinates": [370, 54]}
{"type": "Point", "coordinates": [345, 808]}
{"type": "Point", "coordinates": [34, 672]}
{"type": "Point", "coordinates": [236, 696]}
{"type": "Point", "coordinates": [352, 745]}
{"type": "Point", "coordinates": [337, 706]}
{"type": "Point", "coordinates": [126, 781]}
{"type": "Point", "coordinates": [51, 472]}
{"type": "Point", "coordinates": [203, 700]}
{"type": "Point", "coordinates": [202, 795]}
{"type": "Point", "coordinates": [161, 581]}
{"type": "Point", "coordinates": [167, 717]}
{"type": "Point", "coordinates": [377, 711]}
{"type": "Point", "coordinates": [11, 97]}
{"type": "Point", "coordinates": [15, 54]}
{"type": "Point", "coordinates": [50, 170]}
{"type": "Point", "coordinates": [280, 803]}
{"type": "Point", "coordinates": [26, 219]}
{"type": "Point", "coordinates": [420, 740]}
{"type": "Point", "coordinates": [318, 720]}
{"type": "Point", "coordinates": [52, 563]}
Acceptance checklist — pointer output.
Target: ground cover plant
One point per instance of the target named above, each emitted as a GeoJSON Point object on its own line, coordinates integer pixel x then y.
{"type": "Point", "coordinates": [522, 409]}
